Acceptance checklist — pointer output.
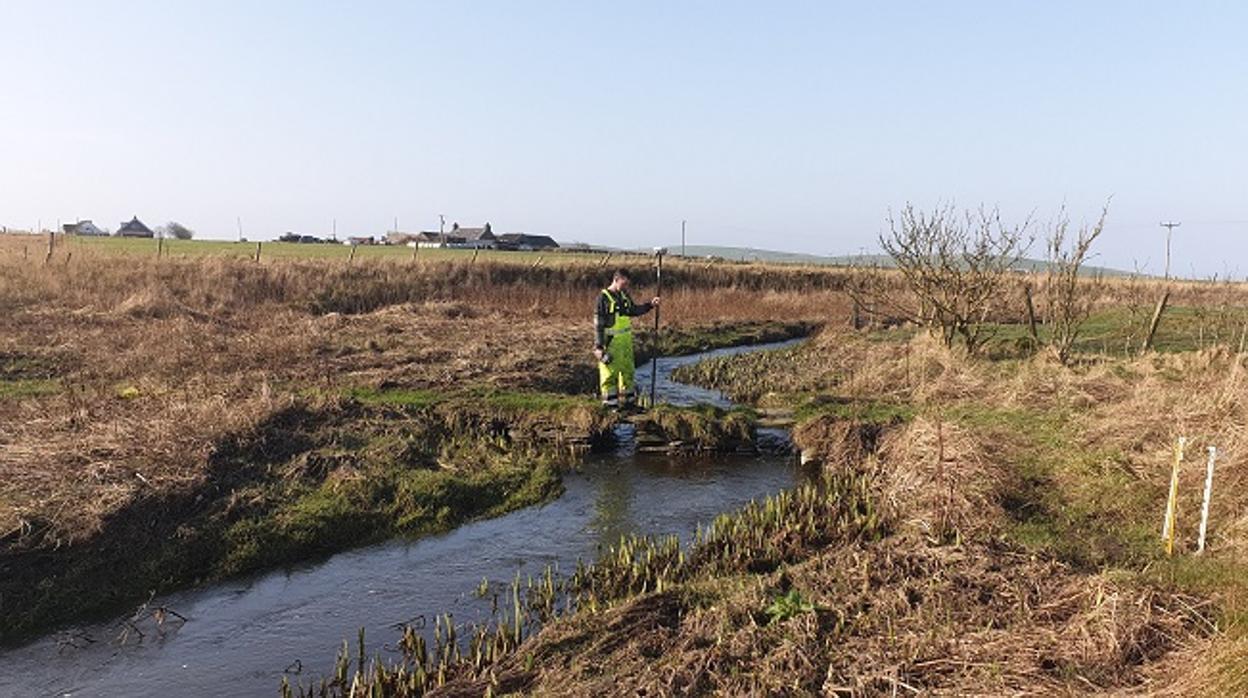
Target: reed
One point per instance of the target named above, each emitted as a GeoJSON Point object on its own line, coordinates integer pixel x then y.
{"type": "Point", "coordinates": [762, 535]}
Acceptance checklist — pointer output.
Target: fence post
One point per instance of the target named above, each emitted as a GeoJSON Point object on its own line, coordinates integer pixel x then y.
{"type": "Point", "coordinates": [1031, 314]}
{"type": "Point", "coordinates": [258, 244]}
{"type": "Point", "coordinates": [1152, 325]}
{"type": "Point", "coordinates": [351, 257]}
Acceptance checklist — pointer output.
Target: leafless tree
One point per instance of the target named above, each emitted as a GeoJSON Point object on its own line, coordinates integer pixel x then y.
{"type": "Point", "coordinates": [1068, 297]}
{"type": "Point", "coordinates": [954, 266]}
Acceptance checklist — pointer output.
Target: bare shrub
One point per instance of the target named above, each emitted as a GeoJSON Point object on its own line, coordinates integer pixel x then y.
{"type": "Point", "coordinates": [1068, 297]}
{"type": "Point", "coordinates": [954, 265]}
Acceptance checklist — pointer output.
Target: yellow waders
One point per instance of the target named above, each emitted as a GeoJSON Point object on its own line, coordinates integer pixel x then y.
{"type": "Point", "coordinates": [615, 379]}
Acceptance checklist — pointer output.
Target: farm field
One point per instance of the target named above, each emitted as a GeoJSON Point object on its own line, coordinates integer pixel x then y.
{"type": "Point", "coordinates": [980, 523]}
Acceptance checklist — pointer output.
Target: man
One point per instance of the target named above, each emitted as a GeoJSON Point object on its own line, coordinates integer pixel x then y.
{"type": "Point", "coordinates": [613, 343]}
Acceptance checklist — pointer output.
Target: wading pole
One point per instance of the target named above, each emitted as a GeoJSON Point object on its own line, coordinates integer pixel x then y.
{"type": "Point", "coordinates": [654, 359]}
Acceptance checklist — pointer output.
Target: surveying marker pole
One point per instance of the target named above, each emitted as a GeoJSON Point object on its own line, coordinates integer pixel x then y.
{"type": "Point", "coordinates": [654, 360]}
{"type": "Point", "coordinates": [1204, 507]}
{"type": "Point", "coordinates": [1172, 503]}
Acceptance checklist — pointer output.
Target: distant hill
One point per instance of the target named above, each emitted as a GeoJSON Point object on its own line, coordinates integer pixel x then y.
{"type": "Point", "coordinates": [751, 254]}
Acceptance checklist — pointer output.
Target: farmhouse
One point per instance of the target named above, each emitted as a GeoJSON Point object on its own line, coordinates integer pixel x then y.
{"type": "Point", "coordinates": [526, 242]}
{"type": "Point", "coordinates": [83, 227]}
{"type": "Point", "coordinates": [481, 238]}
{"type": "Point", "coordinates": [134, 229]}
{"type": "Point", "coordinates": [397, 238]}
{"type": "Point", "coordinates": [434, 239]}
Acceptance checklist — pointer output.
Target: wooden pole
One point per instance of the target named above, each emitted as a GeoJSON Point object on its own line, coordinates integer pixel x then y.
{"type": "Point", "coordinates": [351, 257]}
{"type": "Point", "coordinates": [1031, 314]}
{"type": "Point", "coordinates": [258, 244]}
{"type": "Point", "coordinates": [1152, 325]}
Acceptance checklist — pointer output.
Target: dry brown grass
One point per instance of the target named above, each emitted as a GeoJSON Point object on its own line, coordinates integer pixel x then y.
{"type": "Point", "coordinates": [152, 362]}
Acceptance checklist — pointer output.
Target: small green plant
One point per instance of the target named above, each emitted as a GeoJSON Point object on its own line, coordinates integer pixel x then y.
{"type": "Point", "coordinates": [786, 606]}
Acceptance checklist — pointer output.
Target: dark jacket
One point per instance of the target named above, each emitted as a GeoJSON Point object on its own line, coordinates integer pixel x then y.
{"type": "Point", "coordinates": [604, 318]}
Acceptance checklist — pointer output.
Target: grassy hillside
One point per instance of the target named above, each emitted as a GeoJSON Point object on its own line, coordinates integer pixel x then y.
{"type": "Point", "coordinates": [751, 254]}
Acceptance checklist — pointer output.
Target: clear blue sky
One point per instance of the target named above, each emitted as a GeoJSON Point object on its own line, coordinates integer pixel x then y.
{"type": "Point", "coordinates": [781, 125]}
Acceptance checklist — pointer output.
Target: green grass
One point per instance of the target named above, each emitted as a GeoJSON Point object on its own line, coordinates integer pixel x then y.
{"type": "Point", "coordinates": [1119, 332]}
{"type": "Point", "coordinates": [507, 400]}
{"type": "Point", "coordinates": [395, 397]}
{"type": "Point", "coordinates": [868, 411]}
{"type": "Point", "coordinates": [20, 388]}
{"type": "Point", "coordinates": [409, 502]}
{"type": "Point", "coordinates": [1069, 499]}
{"type": "Point", "coordinates": [292, 250]}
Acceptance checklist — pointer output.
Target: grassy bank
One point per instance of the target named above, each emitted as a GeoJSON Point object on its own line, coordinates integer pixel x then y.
{"type": "Point", "coordinates": [311, 479]}
{"type": "Point", "coordinates": [1012, 544]}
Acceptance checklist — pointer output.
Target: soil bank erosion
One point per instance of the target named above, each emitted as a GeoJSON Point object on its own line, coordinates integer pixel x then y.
{"type": "Point", "coordinates": [244, 635]}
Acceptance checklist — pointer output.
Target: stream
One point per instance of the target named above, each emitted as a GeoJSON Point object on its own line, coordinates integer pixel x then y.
{"type": "Point", "coordinates": [241, 636]}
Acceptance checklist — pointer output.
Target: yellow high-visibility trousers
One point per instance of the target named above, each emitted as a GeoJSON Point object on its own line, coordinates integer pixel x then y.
{"type": "Point", "coordinates": [616, 380]}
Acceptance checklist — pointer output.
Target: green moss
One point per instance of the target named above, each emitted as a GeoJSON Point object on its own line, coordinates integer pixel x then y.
{"type": "Point", "coordinates": [700, 427]}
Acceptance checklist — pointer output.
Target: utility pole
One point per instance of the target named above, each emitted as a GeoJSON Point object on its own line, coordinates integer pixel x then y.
{"type": "Point", "coordinates": [682, 238]}
{"type": "Point", "coordinates": [442, 228]}
{"type": "Point", "coordinates": [239, 220]}
{"type": "Point", "coordinates": [1169, 226]}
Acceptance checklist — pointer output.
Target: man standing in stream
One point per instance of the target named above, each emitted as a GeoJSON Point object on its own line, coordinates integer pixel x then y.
{"type": "Point", "coordinates": [613, 343]}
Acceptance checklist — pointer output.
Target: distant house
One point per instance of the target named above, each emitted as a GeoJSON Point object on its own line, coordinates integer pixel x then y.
{"type": "Point", "coordinates": [360, 240]}
{"type": "Point", "coordinates": [526, 242]}
{"type": "Point", "coordinates": [480, 238]}
{"type": "Point", "coordinates": [83, 227]}
{"type": "Point", "coordinates": [432, 239]}
{"type": "Point", "coordinates": [394, 237]}
{"type": "Point", "coordinates": [134, 229]}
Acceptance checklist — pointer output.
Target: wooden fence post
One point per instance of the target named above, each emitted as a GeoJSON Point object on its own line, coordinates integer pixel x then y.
{"type": "Point", "coordinates": [258, 244]}
{"type": "Point", "coordinates": [1152, 325]}
{"type": "Point", "coordinates": [1031, 314]}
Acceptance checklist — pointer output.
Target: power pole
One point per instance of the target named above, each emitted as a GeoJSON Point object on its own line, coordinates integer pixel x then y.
{"type": "Point", "coordinates": [1169, 226]}
{"type": "Point", "coordinates": [442, 228]}
{"type": "Point", "coordinates": [239, 220]}
{"type": "Point", "coordinates": [682, 238]}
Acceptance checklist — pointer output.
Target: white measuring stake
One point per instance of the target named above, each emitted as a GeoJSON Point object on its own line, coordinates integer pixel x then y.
{"type": "Point", "coordinates": [1204, 508]}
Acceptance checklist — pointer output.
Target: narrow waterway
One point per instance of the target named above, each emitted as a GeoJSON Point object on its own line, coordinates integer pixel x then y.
{"type": "Point", "coordinates": [240, 637]}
